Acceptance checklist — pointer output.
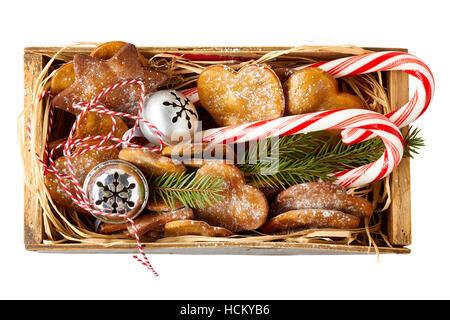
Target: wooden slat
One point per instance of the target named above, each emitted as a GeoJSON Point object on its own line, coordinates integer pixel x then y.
{"type": "Point", "coordinates": [399, 214]}
{"type": "Point", "coordinates": [225, 51]}
{"type": "Point", "coordinates": [33, 229]}
{"type": "Point", "coordinates": [222, 248]}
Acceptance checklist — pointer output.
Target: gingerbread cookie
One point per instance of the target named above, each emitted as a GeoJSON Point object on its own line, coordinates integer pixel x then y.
{"type": "Point", "coordinates": [161, 206]}
{"type": "Point", "coordinates": [90, 125]}
{"type": "Point", "coordinates": [98, 124]}
{"type": "Point", "coordinates": [198, 163]}
{"type": "Point", "coordinates": [82, 164]}
{"type": "Point", "coordinates": [151, 163]}
{"type": "Point", "coordinates": [198, 150]}
{"type": "Point", "coordinates": [148, 222]}
{"type": "Point", "coordinates": [310, 218]}
{"type": "Point", "coordinates": [110, 228]}
{"type": "Point", "coordinates": [243, 208]}
{"type": "Point", "coordinates": [197, 154]}
{"type": "Point", "coordinates": [312, 89]}
{"type": "Point", "coordinates": [155, 221]}
{"type": "Point", "coordinates": [320, 195]}
{"type": "Point", "coordinates": [93, 75]}
{"type": "Point", "coordinates": [269, 191]}
{"type": "Point", "coordinates": [192, 227]}
{"type": "Point", "coordinates": [254, 93]}
{"type": "Point", "coordinates": [64, 76]}
{"type": "Point", "coordinates": [108, 49]}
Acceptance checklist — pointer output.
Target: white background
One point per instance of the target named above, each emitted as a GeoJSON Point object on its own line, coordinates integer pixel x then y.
{"type": "Point", "coordinates": [421, 26]}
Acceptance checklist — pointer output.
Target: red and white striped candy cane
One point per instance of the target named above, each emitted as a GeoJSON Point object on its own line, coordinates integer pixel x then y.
{"type": "Point", "coordinates": [367, 63]}
{"type": "Point", "coordinates": [386, 61]}
{"type": "Point", "coordinates": [192, 94]}
{"type": "Point", "coordinates": [365, 120]}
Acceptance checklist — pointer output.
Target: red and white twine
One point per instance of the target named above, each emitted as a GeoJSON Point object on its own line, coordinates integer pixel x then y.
{"type": "Point", "coordinates": [79, 197]}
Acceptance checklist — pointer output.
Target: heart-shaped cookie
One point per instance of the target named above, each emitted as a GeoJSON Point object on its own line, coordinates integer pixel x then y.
{"type": "Point", "coordinates": [312, 89]}
{"type": "Point", "coordinates": [254, 93]}
{"type": "Point", "coordinates": [243, 208]}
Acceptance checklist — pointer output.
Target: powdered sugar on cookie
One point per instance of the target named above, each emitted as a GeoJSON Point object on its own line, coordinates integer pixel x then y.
{"type": "Point", "coordinates": [254, 93]}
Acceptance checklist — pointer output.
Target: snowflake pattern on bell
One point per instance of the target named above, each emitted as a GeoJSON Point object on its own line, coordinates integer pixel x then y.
{"type": "Point", "coordinates": [115, 195]}
{"type": "Point", "coordinates": [116, 187]}
{"type": "Point", "coordinates": [173, 114]}
{"type": "Point", "coordinates": [179, 104]}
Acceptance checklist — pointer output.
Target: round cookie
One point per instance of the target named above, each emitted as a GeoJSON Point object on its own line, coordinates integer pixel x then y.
{"type": "Point", "coordinates": [81, 164]}
{"type": "Point", "coordinates": [63, 77]}
{"type": "Point", "coordinates": [313, 89]}
{"type": "Point", "coordinates": [320, 195]}
{"type": "Point", "coordinates": [98, 124]}
{"type": "Point", "coordinates": [151, 163]}
{"type": "Point", "coordinates": [310, 218]}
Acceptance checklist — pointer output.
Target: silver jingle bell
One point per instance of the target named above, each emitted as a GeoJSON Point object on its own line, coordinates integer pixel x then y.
{"type": "Point", "coordinates": [116, 187]}
{"type": "Point", "coordinates": [173, 115]}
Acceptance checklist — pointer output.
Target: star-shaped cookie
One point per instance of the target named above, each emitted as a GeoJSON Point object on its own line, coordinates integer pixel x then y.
{"type": "Point", "coordinates": [92, 75]}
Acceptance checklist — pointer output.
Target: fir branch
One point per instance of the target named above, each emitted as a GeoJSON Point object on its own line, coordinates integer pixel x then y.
{"type": "Point", "coordinates": [193, 191]}
{"type": "Point", "coordinates": [316, 155]}
{"type": "Point", "coordinates": [412, 142]}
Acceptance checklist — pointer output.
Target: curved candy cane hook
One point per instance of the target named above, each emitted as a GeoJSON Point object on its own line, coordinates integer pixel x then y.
{"type": "Point", "coordinates": [386, 61]}
{"type": "Point", "coordinates": [365, 120]}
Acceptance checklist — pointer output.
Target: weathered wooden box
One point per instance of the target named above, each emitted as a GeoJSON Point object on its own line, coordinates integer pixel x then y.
{"type": "Point", "coordinates": [396, 222]}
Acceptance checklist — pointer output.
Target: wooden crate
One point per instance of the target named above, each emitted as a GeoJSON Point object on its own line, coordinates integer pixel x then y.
{"type": "Point", "coordinates": [397, 224]}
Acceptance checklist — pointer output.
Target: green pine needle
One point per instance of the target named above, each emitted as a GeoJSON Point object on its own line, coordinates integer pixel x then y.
{"type": "Point", "coordinates": [312, 156]}
{"type": "Point", "coordinates": [412, 143]}
{"type": "Point", "coordinates": [193, 191]}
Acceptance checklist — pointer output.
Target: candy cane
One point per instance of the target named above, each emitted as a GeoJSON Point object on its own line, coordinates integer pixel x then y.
{"type": "Point", "coordinates": [192, 94]}
{"type": "Point", "coordinates": [374, 62]}
{"type": "Point", "coordinates": [386, 61]}
{"type": "Point", "coordinates": [367, 63]}
{"type": "Point", "coordinates": [365, 120]}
